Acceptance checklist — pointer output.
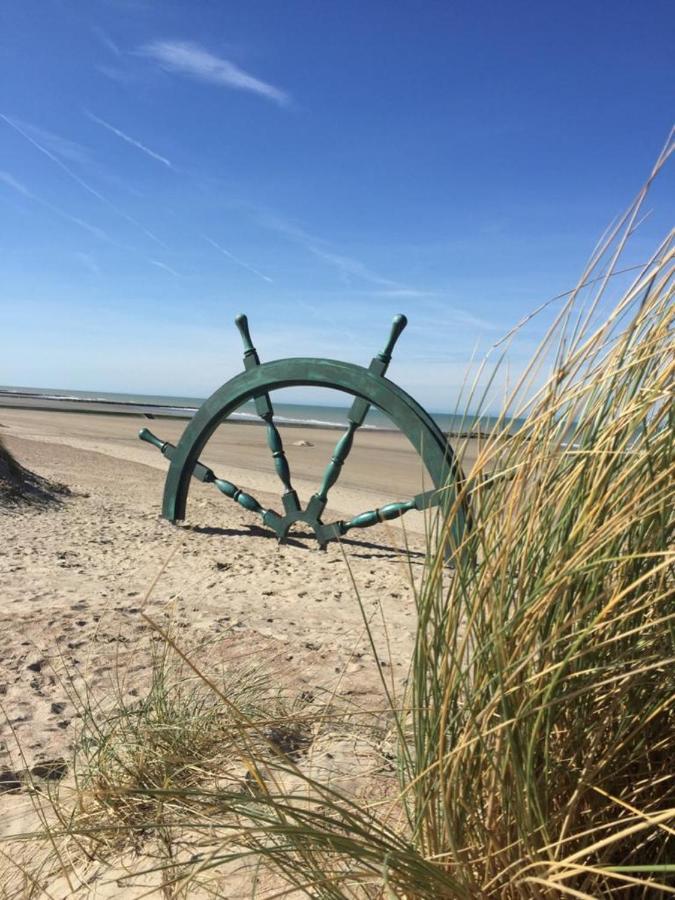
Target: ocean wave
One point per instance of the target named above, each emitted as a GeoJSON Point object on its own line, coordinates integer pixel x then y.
{"type": "Point", "coordinates": [311, 423]}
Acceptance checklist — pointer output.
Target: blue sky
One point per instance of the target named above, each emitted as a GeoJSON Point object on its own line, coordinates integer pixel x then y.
{"type": "Point", "coordinates": [321, 166]}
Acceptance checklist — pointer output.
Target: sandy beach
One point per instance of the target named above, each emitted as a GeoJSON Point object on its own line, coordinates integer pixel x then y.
{"type": "Point", "coordinates": [76, 575]}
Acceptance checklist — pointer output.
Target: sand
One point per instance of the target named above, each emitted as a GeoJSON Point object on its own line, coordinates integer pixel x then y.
{"type": "Point", "coordinates": [76, 576]}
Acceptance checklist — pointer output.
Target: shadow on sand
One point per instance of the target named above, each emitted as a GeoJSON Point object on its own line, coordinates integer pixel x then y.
{"type": "Point", "coordinates": [305, 541]}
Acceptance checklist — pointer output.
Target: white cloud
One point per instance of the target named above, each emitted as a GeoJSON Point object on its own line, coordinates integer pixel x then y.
{"type": "Point", "coordinates": [190, 59]}
{"type": "Point", "coordinates": [134, 143]}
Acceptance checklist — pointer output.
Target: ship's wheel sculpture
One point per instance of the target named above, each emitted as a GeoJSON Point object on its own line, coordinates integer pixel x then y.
{"type": "Point", "coordinates": [369, 388]}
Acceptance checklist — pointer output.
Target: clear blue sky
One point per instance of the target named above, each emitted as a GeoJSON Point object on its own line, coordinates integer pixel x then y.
{"type": "Point", "coordinates": [321, 166]}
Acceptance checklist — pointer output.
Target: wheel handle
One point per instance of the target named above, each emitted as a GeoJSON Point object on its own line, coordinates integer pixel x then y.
{"type": "Point", "coordinates": [397, 326]}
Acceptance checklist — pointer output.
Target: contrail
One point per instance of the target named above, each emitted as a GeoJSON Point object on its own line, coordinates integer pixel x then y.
{"type": "Point", "coordinates": [239, 262]}
{"type": "Point", "coordinates": [130, 140]}
{"type": "Point", "coordinates": [346, 265]}
{"type": "Point", "coordinates": [80, 181]}
{"type": "Point", "coordinates": [20, 188]}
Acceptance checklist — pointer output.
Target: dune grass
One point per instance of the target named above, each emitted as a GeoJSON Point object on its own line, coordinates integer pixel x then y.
{"type": "Point", "coordinates": [535, 743]}
{"type": "Point", "coordinates": [19, 486]}
{"type": "Point", "coordinates": [537, 737]}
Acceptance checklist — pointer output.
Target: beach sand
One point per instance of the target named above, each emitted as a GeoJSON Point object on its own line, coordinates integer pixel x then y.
{"type": "Point", "coordinates": [75, 577]}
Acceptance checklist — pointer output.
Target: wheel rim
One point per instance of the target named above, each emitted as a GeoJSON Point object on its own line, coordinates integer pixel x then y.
{"type": "Point", "coordinates": [412, 420]}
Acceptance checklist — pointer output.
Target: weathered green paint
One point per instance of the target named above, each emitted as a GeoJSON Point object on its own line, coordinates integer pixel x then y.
{"type": "Point", "coordinates": [409, 416]}
{"type": "Point", "coordinates": [332, 473]}
{"type": "Point", "coordinates": [249, 502]}
{"type": "Point", "coordinates": [275, 444]}
{"type": "Point", "coordinates": [356, 417]}
{"type": "Point", "coordinates": [367, 387]}
{"type": "Point", "coordinates": [265, 410]}
{"type": "Point", "coordinates": [146, 435]}
{"type": "Point", "coordinates": [241, 321]}
{"type": "Point", "coordinates": [383, 514]}
{"type": "Point", "coordinates": [203, 473]}
{"type": "Point", "coordinates": [397, 326]}
{"type": "Point", "coordinates": [200, 471]}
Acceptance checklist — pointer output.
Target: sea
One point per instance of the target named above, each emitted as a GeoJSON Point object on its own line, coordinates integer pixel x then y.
{"type": "Point", "coordinates": [309, 415]}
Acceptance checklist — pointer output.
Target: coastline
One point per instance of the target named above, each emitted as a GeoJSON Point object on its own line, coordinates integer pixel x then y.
{"type": "Point", "coordinates": [19, 399]}
{"type": "Point", "coordinates": [382, 467]}
{"type": "Point", "coordinates": [35, 400]}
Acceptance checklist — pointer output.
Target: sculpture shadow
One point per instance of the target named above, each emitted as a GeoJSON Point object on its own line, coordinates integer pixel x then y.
{"type": "Point", "coordinates": [249, 531]}
{"type": "Point", "coordinates": [387, 551]}
{"type": "Point", "coordinates": [304, 540]}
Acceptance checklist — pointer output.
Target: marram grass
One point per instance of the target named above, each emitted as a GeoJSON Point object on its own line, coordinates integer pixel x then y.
{"type": "Point", "coordinates": [536, 741]}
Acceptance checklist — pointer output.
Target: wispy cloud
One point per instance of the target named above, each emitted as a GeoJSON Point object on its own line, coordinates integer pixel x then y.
{"type": "Point", "coordinates": [13, 123]}
{"type": "Point", "coordinates": [107, 41]}
{"type": "Point", "coordinates": [443, 318]}
{"type": "Point", "coordinates": [161, 265]}
{"type": "Point", "coordinates": [347, 266]}
{"type": "Point", "coordinates": [464, 317]}
{"type": "Point", "coordinates": [9, 180]}
{"type": "Point", "coordinates": [116, 73]}
{"type": "Point", "coordinates": [235, 259]}
{"type": "Point", "coordinates": [191, 59]}
{"type": "Point", "coordinates": [62, 147]}
{"type": "Point", "coordinates": [134, 143]}
{"type": "Point", "coordinates": [16, 185]}
{"type": "Point", "coordinates": [402, 293]}
{"type": "Point", "coordinates": [88, 261]}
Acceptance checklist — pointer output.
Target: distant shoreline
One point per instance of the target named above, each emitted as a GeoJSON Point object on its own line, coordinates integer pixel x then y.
{"type": "Point", "coordinates": [55, 403]}
{"type": "Point", "coordinates": [84, 404]}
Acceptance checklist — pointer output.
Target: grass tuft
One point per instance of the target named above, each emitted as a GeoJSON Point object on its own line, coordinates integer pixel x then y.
{"type": "Point", "coordinates": [19, 486]}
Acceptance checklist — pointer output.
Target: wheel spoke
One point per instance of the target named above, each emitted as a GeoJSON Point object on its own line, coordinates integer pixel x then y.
{"type": "Point", "coordinates": [356, 417]}
{"type": "Point", "coordinates": [274, 442]}
{"type": "Point", "coordinates": [203, 473]}
{"type": "Point", "coordinates": [248, 501]}
{"type": "Point", "coordinates": [334, 467]}
{"type": "Point", "coordinates": [265, 410]}
{"type": "Point", "coordinates": [230, 490]}
{"type": "Point", "coordinates": [200, 471]}
{"type": "Point", "coordinates": [383, 514]}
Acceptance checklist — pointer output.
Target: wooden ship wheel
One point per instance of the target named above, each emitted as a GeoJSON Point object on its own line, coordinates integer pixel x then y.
{"type": "Point", "coordinates": [368, 387]}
